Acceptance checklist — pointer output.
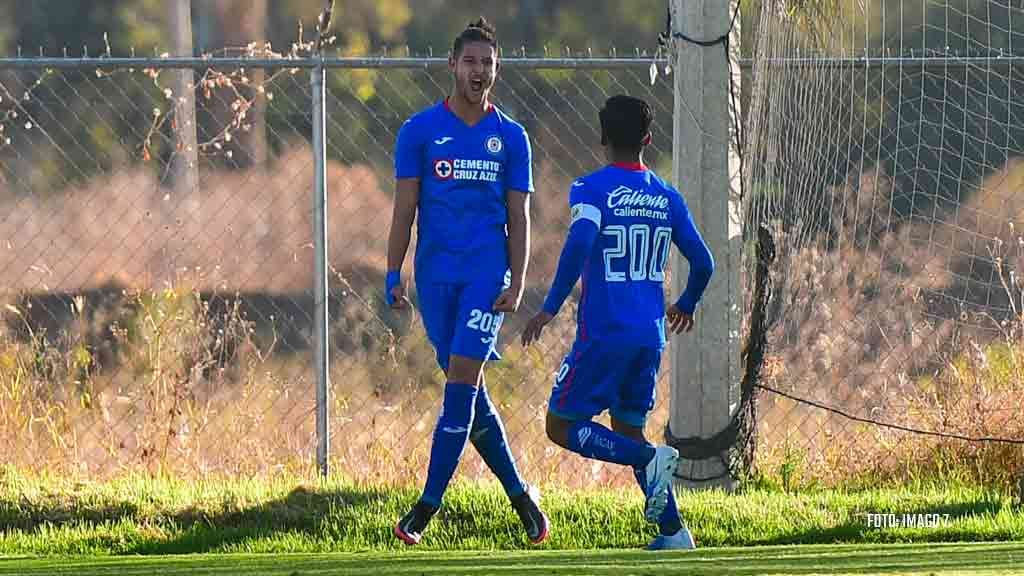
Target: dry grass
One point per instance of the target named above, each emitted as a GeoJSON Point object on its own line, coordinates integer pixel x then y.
{"type": "Point", "coordinates": [192, 391]}
{"type": "Point", "coordinates": [916, 323]}
{"type": "Point", "coordinates": [148, 331]}
{"type": "Point", "coordinates": [182, 344]}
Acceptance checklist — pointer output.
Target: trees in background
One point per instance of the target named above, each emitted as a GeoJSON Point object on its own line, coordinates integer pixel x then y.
{"type": "Point", "coordinates": [104, 123]}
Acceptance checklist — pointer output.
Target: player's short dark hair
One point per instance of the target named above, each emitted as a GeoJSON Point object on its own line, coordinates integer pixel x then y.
{"type": "Point", "coordinates": [479, 31]}
{"type": "Point", "coordinates": [625, 122]}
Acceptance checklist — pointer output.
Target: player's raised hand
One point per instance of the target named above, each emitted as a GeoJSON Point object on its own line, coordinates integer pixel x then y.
{"type": "Point", "coordinates": [534, 327]}
{"type": "Point", "coordinates": [679, 321]}
{"type": "Point", "coordinates": [508, 301]}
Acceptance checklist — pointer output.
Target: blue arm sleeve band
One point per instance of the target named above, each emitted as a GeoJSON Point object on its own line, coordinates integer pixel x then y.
{"type": "Point", "coordinates": [578, 244]}
{"type": "Point", "coordinates": [390, 281]}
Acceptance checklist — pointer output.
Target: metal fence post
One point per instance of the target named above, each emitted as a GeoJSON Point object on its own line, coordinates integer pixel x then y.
{"type": "Point", "coordinates": [320, 248]}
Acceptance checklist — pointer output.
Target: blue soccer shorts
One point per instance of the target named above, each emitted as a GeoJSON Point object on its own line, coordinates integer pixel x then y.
{"type": "Point", "coordinates": [460, 318]}
{"type": "Point", "coordinates": [598, 376]}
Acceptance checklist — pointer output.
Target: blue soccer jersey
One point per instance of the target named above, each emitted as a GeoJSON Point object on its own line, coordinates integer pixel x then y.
{"type": "Point", "coordinates": [638, 217]}
{"type": "Point", "coordinates": [464, 173]}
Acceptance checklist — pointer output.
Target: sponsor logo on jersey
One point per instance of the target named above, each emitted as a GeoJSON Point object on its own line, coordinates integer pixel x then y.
{"type": "Point", "coordinates": [625, 201]}
{"type": "Point", "coordinates": [443, 169]}
{"type": "Point", "coordinates": [466, 169]}
{"type": "Point", "coordinates": [494, 145]}
{"type": "Point", "coordinates": [443, 140]}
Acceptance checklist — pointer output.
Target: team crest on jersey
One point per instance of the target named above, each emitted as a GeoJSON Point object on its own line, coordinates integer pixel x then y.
{"type": "Point", "coordinates": [443, 169]}
{"type": "Point", "coordinates": [494, 145]}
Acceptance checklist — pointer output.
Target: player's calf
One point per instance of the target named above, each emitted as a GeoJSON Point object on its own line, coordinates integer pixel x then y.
{"type": "Point", "coordinates": [592, 440]}
{"type": "Point", "coordinates": [489, 438]}
{"type": "Point", "coordinates": [451, 433]}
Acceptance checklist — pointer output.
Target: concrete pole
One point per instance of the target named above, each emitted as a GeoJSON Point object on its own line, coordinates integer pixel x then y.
{"type": "Point", "coordinates": [705, 363]}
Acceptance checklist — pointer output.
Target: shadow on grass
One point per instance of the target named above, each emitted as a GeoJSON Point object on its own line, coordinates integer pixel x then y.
{"type": "Point", "coordinates": [311, 514]}
{"type": "Point", "coordinates": [325, 515]}
{"type": "Point", "coordinates": [360, 518]}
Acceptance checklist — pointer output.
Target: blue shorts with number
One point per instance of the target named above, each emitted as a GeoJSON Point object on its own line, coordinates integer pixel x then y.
{"type": "Point", "coordinates": [598, 376]}
{"type": "Point", "coordinates": [460, 318]}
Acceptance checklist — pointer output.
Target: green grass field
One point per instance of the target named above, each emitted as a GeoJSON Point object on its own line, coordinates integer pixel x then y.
{"type": "Point", "coordinates": [295, 526]}
{"type": "Point", "coordinates": [932, 559]}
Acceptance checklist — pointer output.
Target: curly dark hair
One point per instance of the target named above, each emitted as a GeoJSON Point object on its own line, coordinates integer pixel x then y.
{"type": "Point", "coordinates": [479, 31]}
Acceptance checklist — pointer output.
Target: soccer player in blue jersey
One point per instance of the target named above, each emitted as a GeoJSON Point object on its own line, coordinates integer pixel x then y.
{"type": "Point", "coordinates": [624, 220]}
{"type": "Point", "coordinates": [464, 168]}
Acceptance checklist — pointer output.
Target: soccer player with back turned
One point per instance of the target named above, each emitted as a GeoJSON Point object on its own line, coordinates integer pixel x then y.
{"type": "Point", "coordinates": [464, 168]}
{"type": "Point", "coordinates": [624, 220]}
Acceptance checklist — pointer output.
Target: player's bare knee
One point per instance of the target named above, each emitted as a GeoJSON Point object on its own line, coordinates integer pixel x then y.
{"type": "Point", "coordinates": [557, 430]}
{"type": "Point", "coordinates": [465, 370]}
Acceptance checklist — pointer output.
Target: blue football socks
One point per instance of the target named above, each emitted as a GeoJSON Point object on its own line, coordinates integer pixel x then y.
{"type": "Point", "coordinates": [592, 440]}
{"type": "Point", "coordinates": [669, 522]}
{"type": "Point", "coordinates": [450, 437]}
{"type": "Point", "coordinates": [488, 436]}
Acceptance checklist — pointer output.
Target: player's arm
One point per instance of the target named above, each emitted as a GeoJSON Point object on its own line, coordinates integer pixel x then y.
{"type": "Point", "coordinates": [518, 249]}
{"type": "Point", "coordinates": [408, 163]}
{"type": "Point", "coordinates": [407, 195]}
{"type": "Point", "coordinates": [519, 186]}
{"type": "Point", "coordinates": [691, 244]}
{"type": "Point", "coordinates": [583, 231]}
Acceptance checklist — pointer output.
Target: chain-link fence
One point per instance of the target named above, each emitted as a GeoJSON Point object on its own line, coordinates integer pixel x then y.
{"type": "Point", "coordinates": [388, 395]}
{"type": "Point", "coordinates": [158, 249]}
{"type": "Point", "coordinates": [148, 323]}
{"type": "Point", "coordinates": [158, 264]}
{"type": "Point", "coordinates": [884, 155]}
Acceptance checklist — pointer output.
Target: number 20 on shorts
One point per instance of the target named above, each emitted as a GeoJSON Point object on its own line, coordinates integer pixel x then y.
{"type": "Point", "coordinates": [484, 321]}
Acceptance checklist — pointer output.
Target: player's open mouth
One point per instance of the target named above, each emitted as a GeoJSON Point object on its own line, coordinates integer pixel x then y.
{"type": "Point", "coordinates": [476, 85]}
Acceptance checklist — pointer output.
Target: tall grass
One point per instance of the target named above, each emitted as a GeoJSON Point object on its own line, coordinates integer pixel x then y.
{"type": "Point", "coordinates": [192, 383]}
{"type": "Point", "coordinates": [178, 381]}
{"type": "Point", "coordinates": [918, 324]}
{"type": "Point", "coordinates": [211, 373]}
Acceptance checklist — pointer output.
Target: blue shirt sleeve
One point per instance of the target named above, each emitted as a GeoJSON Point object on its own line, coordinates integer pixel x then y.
{"type": "Point", "coordinates": [692, 245]}
{"type": "Point", "coordinates": [519, 161]}
{"type": "Point", "coordinates": [409, 151]}
{"type": "Point", "coordinates": [583, 230]}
